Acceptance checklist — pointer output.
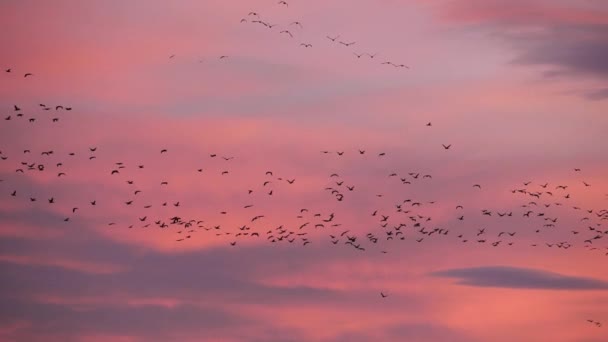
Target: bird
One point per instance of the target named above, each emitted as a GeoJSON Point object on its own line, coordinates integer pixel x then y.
{"type": "Point", "coordinates": [28, 74]}
{"type": "Point", "coordinates": [447, 147]}
{"type": "Point", "coordinates": [383, 295]}
{"type": "Point", "coordinates": [260, 22]}
{"type": "Point", "coordinates": [306, 45]}
{"type": "Point", "coordinates": [333, 39]}
{"type": "Point", "coordinates": [282, 2]}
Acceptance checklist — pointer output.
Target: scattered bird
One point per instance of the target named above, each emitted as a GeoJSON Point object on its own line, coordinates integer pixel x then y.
{"type": "Point", "coordinates": [347, 44]}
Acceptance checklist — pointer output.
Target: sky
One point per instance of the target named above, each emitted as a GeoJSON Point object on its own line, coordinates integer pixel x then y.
{"type": "Point", "coordinates": [517, 89]}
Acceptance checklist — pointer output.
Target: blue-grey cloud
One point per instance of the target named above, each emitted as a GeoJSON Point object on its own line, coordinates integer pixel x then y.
{"type": "Point", "coordinates": [405, 331]}
{"type": "Point", "coordinates": [596, 95]}
{"type": "Point", "coordinates": [520, 278]}
{"type": "Point", "coordinates": [561, 46]}
{"type": "Point", "coordinates": [151, 322]}
{"type": "Point", "coordinates": [567, 48]}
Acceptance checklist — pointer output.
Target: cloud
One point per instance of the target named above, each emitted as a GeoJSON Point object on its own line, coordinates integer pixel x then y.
{"type": "Point", "coordinates": [599, 94]}
{"type": "Point", "coordinates": [568, 38]}
{"type": "Point", "coordinates": [155, 323]}
{"type": "Point", "coordinates": [406, 331]}
{"type": "Point", "coordinates": [520, 278]}
{"type": "Point", "coordinates": [573, 50]}
{"type": "Point", "coordinates": [71, 264]}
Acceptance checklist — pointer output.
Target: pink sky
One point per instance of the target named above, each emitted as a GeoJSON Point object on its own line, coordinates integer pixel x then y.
{"type": "Point", "coordinates": [518, 88]}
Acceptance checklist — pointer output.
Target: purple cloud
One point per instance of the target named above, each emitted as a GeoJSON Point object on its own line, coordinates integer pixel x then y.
{"type": "Point", "coordinates": [520, 278]}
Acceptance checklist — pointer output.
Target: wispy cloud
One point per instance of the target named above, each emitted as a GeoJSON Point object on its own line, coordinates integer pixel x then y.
{"type": "Point", "coordinates": [520, 278]}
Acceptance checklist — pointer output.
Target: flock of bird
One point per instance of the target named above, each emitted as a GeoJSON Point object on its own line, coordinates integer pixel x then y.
{"type": "Point", "coordinates": [406, 216]}
{"type": "Point", "coordinates": [290, 29]}
{"type": "Point", "coordinates": [541, 204]}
